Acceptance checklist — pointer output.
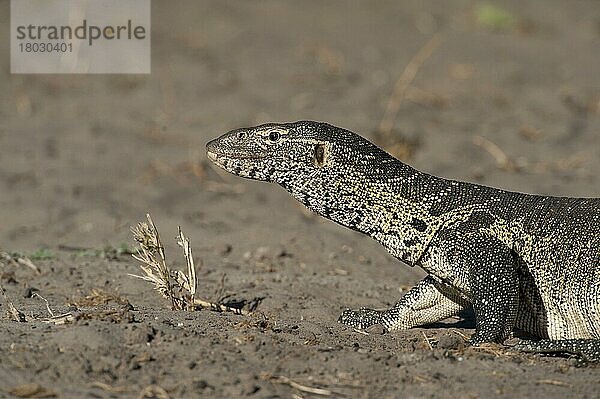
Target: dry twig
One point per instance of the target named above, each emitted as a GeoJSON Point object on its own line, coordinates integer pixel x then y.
{"type": "Point", "coordinates": [60, 319]}
{"type": "Point", "coordinates": [509, 164]}
{"type": "Point", "coordinates": [463, 336]}
{"type": "Point", "coordinates": [219, 307]}
{"type": "Point", "coordinates": [50, 312]}
{"type": "Point", "coordinates": [57, 320]}
{"type": "Point", "coordinates": [502, 160]}
{"type": "Point", "coordinates": [420, 378]}
{"type": "Point", "coordinates": [187, 281]}
{"type": "Point", "coordinates": [316, 391]}
{"type": "Point", "coordinates": [427, 340]}
{"type": "Point", "coordinates": [555, 383]}
{"type": "Point", "coordinates": [16, 315]}
{"type": "Point", "coordinates": [404, 81]}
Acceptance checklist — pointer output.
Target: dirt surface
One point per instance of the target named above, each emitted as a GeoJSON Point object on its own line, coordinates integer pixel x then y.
{"type": "Point", "coordinates": [509, 99]}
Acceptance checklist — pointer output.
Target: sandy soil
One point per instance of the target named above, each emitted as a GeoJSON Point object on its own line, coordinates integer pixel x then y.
{"type": "Point", "coordinates": [84, 157]}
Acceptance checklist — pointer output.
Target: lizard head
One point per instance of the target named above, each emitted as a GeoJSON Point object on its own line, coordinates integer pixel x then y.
{"type": "Point", "coordinates": [289, 153]}
{"type": "Point", "coordinates": [334, 172]}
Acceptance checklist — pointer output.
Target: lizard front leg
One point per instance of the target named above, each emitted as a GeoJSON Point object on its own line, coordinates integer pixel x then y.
{"type": "Point", "coordinates": [427, 302]}
{"type": "Point", "coordinates": [494, 285]}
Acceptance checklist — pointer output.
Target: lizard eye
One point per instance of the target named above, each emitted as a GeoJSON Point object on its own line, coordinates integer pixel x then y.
{"type": "Point", "coordinates": [241, 135]}
{"type": "Point", "coordinates": [274, 136]}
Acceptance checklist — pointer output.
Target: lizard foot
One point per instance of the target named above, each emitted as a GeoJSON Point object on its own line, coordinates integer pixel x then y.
{"type": "Point", "coordinates": [362, 318]}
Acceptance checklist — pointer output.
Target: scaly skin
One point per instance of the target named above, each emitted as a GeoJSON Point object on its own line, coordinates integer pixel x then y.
{"type": "Point", "coordinates": [523, 262]}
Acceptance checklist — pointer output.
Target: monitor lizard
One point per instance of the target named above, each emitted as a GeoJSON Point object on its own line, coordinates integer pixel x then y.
{"type": "Point", "coordinates": [523, 262]}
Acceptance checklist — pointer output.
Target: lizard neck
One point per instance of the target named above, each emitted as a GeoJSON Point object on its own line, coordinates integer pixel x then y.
{"type": "Point", "coordinates": [389, 203]}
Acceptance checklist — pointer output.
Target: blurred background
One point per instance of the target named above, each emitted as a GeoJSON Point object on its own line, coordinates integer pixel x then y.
{"type": "Point", "coordinates": [505, 93]}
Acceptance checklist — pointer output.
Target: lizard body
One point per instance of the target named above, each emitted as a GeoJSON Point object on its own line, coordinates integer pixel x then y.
{"type": "Point", "coordinates": [524, 262]}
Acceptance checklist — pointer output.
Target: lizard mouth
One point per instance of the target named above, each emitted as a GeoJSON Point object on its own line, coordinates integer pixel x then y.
{"type": "Point", "coordinates": [216, 157]}
{"type": "Point", "coordinates": [212, 156]}
{"type": "Point", "coordinates": [229, 157]}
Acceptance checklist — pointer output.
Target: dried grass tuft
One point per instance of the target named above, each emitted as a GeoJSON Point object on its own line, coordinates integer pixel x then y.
{"type": "Point", "coordinates": [151, 254]}
{"type": "Point", "coordinates": [178, 287]}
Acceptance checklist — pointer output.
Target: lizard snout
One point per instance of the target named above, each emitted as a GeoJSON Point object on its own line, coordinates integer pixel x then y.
{"type": "Point", "coordinates": [211, 149]}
